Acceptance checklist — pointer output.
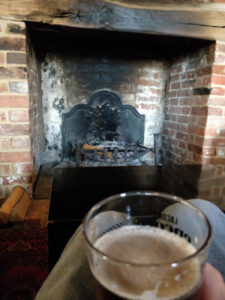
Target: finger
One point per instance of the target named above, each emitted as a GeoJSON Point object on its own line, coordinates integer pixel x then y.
{"type": "Point", "coordinates": [213, 287]}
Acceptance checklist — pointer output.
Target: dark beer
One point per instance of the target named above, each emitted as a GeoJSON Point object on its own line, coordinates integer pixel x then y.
{"type": "Point", "coordinates": [146, 272]}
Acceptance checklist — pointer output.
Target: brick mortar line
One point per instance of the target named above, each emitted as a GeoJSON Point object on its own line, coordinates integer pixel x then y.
{"type": "Point", "coordinates": [219, 51]}
{"type": "Point", "coordinates": [13, 94]}
{"type": "Point", "coordinates": [15, 124]}
{"type": "Point", "coordinates": [14, 136]}
{"type": "Point", "coordinates": [2, 164]}
{"type": "Point", "coordinates": [12, 174]}
{"type": "Point", "coordinates": [219, 55]}
{"type": "Point", "coordinates": [17, 80]}
{"type": "Point", "coordinates": [183, 97]}
{"type": "Point", "coordinates": [11, 150]}
{"type": "Point", "coordinates": [5, 33]}
{"type": "Point", "coordinates": [15, 151]}
{"type": "Point", "coordinates": [14, 65]}
{"type": "Point", "coordinates": [217, 85]}
{"type": "Point", "coordinates": [221, 64]}
{"type": "Point", "coordinates": [216, 96]}
{"type": "Point", "coordinates": [10, 138]}
{"type": "Point", "coordinates": [15, 184]}
{"type": "Point", "coordinates": [190, 79]}
{"type": "Point", "coordinates": [195, 134]}
{"type": "Point", "coordinates": [17, 176]}
{"type": "Point", "coordinates": [191, 70]}
{"type": "Point", "coordinates": [6, 109]}
{"type": "Point", "coordinates": [13, 51]}
{"type": "Point", "coordinates": [218, 75]}
{"type": "Point", "coordinates": [208, 136]}
{"type": "Point", "coordinates": [21, 37]}
{"type": "Point", "coordinates": [12, 80]}
{"type": "Point", "coordinates": [14, 108]}
{"type": "Point", "coordinates": [9, 93]}
{"type": "Point", "coordinates": [9, 66]}
{"type": "Point", "coordinates": [199, 115]}
{"type": "Point", "coordinates": [218, 64]}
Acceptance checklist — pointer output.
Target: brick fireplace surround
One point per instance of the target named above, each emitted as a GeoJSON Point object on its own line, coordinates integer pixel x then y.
{"type": "Point", "coordinates": [193, 125]}
{"type": "Point", "coordinates": [15, 150]}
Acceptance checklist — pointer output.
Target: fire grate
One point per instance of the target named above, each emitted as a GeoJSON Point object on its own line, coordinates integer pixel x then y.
{"type": "Point", "coordinates": [109, 154]}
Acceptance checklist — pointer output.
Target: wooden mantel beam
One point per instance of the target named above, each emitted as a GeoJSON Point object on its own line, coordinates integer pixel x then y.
{"type": "Point", "coordinates": [175, 17]}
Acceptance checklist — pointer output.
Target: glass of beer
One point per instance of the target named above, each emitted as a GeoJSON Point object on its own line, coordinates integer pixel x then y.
{"type": "Point", "coordinates": [146, 245]}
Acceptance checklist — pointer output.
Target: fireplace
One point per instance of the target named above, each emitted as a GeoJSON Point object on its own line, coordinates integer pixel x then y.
{"type": "Point", "coordinates": [99, 90]}
{"type": "Point", "coordinates": [178, 91]}
{"type": "Point", "coordinates": [147, 101]}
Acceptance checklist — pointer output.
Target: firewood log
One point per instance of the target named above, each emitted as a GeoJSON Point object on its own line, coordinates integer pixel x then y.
{"type": "Point", "coordinates": [19, 211]}
{"type": "Point", "coordinates": [9, 204]}
{"type": "Point", "coordinates": [101, 152]}
{"type": "Point", "coordinates": [91, 147]}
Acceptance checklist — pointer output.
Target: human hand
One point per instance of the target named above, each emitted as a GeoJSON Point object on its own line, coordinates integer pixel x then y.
{"type": "Point", "coordinates": [213, 286]}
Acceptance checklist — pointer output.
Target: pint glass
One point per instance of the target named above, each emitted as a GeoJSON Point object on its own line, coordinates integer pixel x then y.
{"type": "Point", "coordinates": [146, 245]}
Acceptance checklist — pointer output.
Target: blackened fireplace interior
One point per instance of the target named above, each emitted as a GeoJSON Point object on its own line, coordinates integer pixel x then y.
{"type": "Point", "coordinates": [97, 100]}
{"type": "Point", "coordinates": [105, 90]}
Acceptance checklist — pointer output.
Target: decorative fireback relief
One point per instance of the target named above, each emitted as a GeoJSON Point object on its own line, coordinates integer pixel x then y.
{"type": "Point", "coordinates": [103, 122]}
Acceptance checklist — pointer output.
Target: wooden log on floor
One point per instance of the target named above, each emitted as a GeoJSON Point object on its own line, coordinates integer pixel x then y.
{"type": "Point", "coordinates": [20, 210]}
{"type": "Point", "coordinates": [9, 204]}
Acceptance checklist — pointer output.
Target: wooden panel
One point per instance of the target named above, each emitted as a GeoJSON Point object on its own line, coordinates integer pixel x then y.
{"type": "Point", "coordinates": [170, 17]}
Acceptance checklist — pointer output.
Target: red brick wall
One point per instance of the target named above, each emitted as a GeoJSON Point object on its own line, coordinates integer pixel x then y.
{"type": "Point", "coordinates": [187, 108]}
{"type": "Point", "coordinates": [195, 108]}
{"type": "Point", "coordinates": [150, 96]}
{"type": "Point", "coordinates": [216, 123]}
{"type": "Point", "coordinates": [194, 125]}
{"type": "Point", "coordinates": [15, 152]}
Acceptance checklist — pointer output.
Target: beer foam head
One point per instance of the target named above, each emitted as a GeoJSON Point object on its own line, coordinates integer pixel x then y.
{"type": "Point", "coordinates": [129, 243]}
{"type": "Point", "coordinates": [157, 249]}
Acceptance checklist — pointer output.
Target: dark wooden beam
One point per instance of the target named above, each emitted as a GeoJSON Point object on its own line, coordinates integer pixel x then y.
{"type": "Point", "coordinates": [177, 17]}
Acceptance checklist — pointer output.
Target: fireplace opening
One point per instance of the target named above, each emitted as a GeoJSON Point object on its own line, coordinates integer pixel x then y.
{"type": "Point", "coordinates": [176, 83]}
{"type": "Point", "coordinates": [69, 67]}
{"type": "Point", "coordinates": [171, 81]}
